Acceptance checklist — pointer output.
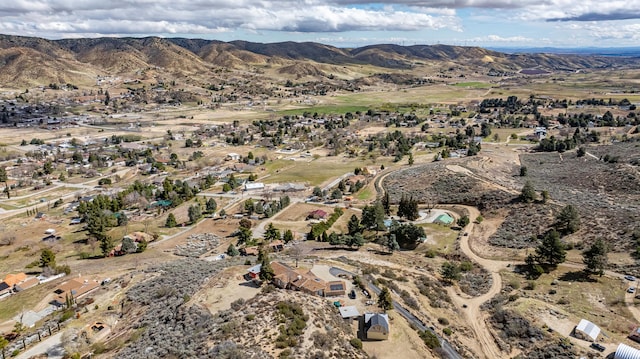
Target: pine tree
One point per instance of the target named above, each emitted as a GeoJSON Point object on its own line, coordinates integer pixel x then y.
{"type": "Point", "coordinates": [595, 258]}
{"type": "Point", "coordinates": [528, 193]}
{"type": "Point", "coordinates": [551, 251]}
{"type": "Point", "coordinates": [385, 302]}
{"type": "Point", "coordinates": [232, 251]}
{"type": "Point", "coordinates": [171, 221]}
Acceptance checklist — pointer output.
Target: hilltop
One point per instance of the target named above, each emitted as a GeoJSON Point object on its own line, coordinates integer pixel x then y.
{"type": "Point", "coordinates": [37, 61]}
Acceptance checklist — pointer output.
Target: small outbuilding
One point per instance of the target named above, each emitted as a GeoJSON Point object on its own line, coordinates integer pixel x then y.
{"type": "Point", "coordinates": [444, 219]}
{"type": "Point", "coordinates": [376, 326]}
{"type": "Point", "coordinates": [626, 352]}
{"type": "Point", "coordinates": [587, 331]}
{"type": "Point", "coordinates": [349, 312]}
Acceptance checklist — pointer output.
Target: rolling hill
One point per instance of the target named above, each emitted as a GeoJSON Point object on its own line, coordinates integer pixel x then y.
{"type": "Point", "coordinates": [37, 61]}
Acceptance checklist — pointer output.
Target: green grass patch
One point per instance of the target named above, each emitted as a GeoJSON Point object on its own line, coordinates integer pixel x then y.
{"type": "Point", "coordinates": [365, 194]}
{"type": "Point", "coordinates": [329, 109]}
{"type": "Point", "coordinates": [440, 238]}
{"type": "Point", "coordinates": [314, 173]}
{"type": "Point", "coordinates": [473, 84]}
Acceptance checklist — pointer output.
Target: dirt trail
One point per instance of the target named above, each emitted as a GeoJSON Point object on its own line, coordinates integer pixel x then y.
{"type": "Point", "coordinates": [472, 312]}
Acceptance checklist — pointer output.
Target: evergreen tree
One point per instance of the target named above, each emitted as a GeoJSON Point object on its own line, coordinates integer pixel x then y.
{"type": "Point", "coordinates": [211, 205]}
{"type": "Point", "coordinates": [595, 258]}
{"type": "Point", "coordinates": [106, 245]}
{"type": "Point", "coordinates": [408, 208]}
{"type": "Point", "coordinates": [232, 251]}
{"type": "Point", "coordinates": [450, 271]}
{"type": "Point", "coordinates": [272, 233]}
{"type": "Point", "coordinates": [4, 178]}
{"type": "Point", "coordinates": [353, 226]}
{"type": "Point", "coordinates": [47, 258]}
{"type": "Point", "coordinates": [195, 213]}
{"type": "Point", "coordinates": [266, 271]}
{"type": "Point", "coordinates": [385, 302]}
{"type": "Point", "coordinates": [528, 193]}
{"type": "Point", "coordinates": [288, 236]}
{"type": "Point", "coordinates": [171, 221]}
{"type": "Point", "coordinates": [386, 203]}
{"type": "Point", "coordinates": [392, 244]}
{"type": "Point", "coordinates": [568, 220]}
{"type": "Point", "coordinates": [551, 251]}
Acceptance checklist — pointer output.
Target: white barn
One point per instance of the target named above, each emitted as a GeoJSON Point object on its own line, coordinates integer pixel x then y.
{"type": "Point", "coordinates": [587, 331]}
{"type": "Point", "coordinates": [626, 352]}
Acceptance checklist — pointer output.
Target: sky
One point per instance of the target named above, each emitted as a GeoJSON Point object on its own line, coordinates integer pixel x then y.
{"type": "Point", "coordinates": [341, 23]}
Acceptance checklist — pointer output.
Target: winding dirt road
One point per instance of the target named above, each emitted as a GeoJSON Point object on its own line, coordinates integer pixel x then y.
{"type": "Point", "coordinates": [473, 315]}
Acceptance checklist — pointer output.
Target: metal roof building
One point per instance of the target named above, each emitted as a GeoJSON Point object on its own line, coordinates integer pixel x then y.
{"type": "Point", "coordinates": [626, 352]}
{"type": "Point", "coordinates": [587, 330]}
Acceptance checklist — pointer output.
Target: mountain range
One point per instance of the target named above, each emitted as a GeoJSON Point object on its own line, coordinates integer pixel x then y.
{"type": "Point", "coordinates": [28, 61]}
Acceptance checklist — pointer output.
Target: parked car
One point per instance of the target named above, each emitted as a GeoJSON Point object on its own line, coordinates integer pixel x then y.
{"type": "Point", "coordinates": [352, 294]}
{"type": "Point", "coordinates": [598, 347]}
{"type": "Point", "coordinates": [631, 290]}
{"type": "Point", "coordinates": [630, 278]}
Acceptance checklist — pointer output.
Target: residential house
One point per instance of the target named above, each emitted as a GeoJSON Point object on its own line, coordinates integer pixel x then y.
{"type": "Point", "coordinates": [73, 290]}
{"type": "Point", "coordinates": [249, 251]}
{"type": "Point", "coordinates": [13, 279]}
{"type": "Point", "coordinates": [335, 288]}
{"type": "Point", "coordinates": [276, 246]}
{"type": "Point", "coordinates": [286, 277]}
{"type": "Point", "coordinates": [317, 214]}
{"type": "Point", "coordinates": [26, 284]}
{"type": "Point", "coordinates": [376, 326]}
{"type": "Point", "coordinates": [232, 156]}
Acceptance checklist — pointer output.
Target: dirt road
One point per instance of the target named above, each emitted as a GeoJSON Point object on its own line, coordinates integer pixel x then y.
{"type": "Point", "coordinates": [472, 312]}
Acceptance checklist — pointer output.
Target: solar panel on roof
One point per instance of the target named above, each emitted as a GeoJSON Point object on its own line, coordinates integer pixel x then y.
{"type": "Point", "coordinates": [335, 287]}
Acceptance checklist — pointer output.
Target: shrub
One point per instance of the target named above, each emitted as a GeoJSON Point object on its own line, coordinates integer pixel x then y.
{"type": "Point", "coordinates": [514, 283]}
{"type": "Point", "coordinates": [250, 317]}
{"type": "Point", "coordinates": [563, 301]}
{"type": "Point", "coordinates": [443, 321]}
{"type": "Point", "coordinates": [356, 343]}
{"type": "Point", "coordinates": [237, 304]}
{"type": "Point", "coordinates": [430, 339]}
{"type": "Point", "coordinates": [447, 331]}
{"type": "Point", "coordinates": [431, 253]}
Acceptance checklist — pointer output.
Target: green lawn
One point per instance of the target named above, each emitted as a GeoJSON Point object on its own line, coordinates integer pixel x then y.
{"type": "Point", "coordinates": [443, 236]}
{"type": "Point", "coordinates": [473, 84]}
{"type": "Point", "coordinates": [326, 109]}
{"type": "Point", "coordinates": [315, 172]}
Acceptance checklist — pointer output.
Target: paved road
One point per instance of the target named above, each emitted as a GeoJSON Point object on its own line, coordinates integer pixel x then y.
{"type": "Point", "coordinates": [52, 346]}
{"type": "Point", "coordinates": [446, 347]}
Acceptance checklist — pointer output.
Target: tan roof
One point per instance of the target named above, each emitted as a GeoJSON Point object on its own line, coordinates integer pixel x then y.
{"type": "Point", "coordinates": [298, 279]}
{"type": "Point", "coordinates": [13, 279]}
{"type": "Point", "coordinates": [75, 288]}
{"type": "Point", "coordinates": [27, 283]}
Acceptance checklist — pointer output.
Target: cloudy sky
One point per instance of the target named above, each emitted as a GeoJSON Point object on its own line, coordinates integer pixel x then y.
{"type": "Point", "coordinates": [343, 23]}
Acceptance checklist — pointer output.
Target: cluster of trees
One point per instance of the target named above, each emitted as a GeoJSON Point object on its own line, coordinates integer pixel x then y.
{"type": "Point", "coordinates": [408, 208]}
{"type": "Point", "coordinates": [319, 230]}
{"type": "Point", "coordinates": [266, 208]}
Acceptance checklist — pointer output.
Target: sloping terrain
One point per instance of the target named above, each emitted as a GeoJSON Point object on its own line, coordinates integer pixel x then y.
{"type": "Point", "coordinates": [161, 320]}
{"type": "Point", "coordinates": [27, 60]}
